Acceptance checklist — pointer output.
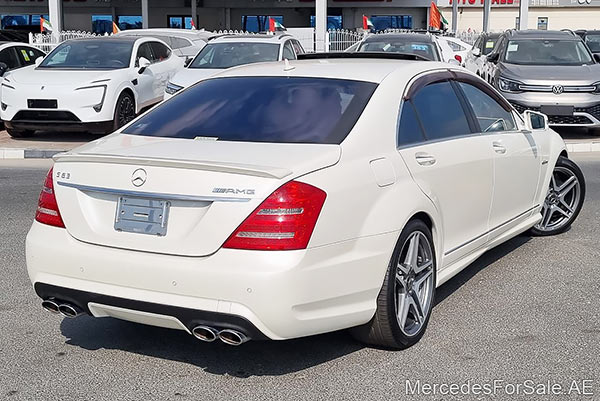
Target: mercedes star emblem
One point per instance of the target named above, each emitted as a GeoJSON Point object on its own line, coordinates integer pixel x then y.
{"type": "Point", "coordinates": [138, 178]}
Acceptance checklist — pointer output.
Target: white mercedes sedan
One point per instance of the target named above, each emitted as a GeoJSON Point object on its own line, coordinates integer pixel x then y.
{"type": "Point", "coordinates": [95, 85]}
{"type": "Point", "coordinates": [282, 200]}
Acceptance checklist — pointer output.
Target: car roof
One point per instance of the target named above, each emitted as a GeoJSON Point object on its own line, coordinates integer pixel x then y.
{"type": "Point", "coordinates": [113, 38]}
{"type": "Point", "coordinates": [259, 37]}
{"type": "Point", "coordinates": [369, 70]}
{"type": "Point", "coordinates": [538, 34]}
{"type": "Point", "coordinates": [185, 33]}
{"type": "Point", "coordinates": [384, 37]}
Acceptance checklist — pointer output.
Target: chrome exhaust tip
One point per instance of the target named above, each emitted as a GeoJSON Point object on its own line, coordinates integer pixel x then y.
{"type": "Point", "coordinates": [232, 337]}
{"type": "Point", "coordinates": [50, 306]}
{"type": "Point", "coordinates": [205, 333]}
{"type": "Point", "coordinates": [69, 311]}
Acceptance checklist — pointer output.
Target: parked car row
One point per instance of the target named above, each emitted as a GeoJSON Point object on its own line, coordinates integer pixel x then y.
{"type": "Point", "coordinates": [554, 72]}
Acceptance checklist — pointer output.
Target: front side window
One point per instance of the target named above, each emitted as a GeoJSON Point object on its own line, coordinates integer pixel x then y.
{"type": "Point", "coordinates": [593, 42]}
{"type": "Point", "coordinates": [260, 109]}
{"type": "Point", "coordinates": [144, 51]}
{"type": "Point", "coordinates": [491, 116]}
{"type": "Point", "coordinates": [90, 54]}
{"type": "Point", "coordinates": [400, 45]}
{"type": "Point", "coordinates": [489, 46]}
{"type": "Point", "coordinates": [440, 111]}
{"type": "Point", "coordinates": [227, 55]}
{"type": "Point", "coordinates": [547, 52]}
{"type": "Point", "coordinates": [28, 55]}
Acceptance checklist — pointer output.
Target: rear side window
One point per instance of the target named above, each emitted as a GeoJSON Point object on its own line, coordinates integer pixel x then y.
{"type": "Point", "coordinates": [440, 111]}
{"type": "Point", "coordinates": [179, 43]}
{"type": "Point", "coordinates": [491, 116]}
{"type": "Point", "coordinates": [260, 109]}
{"type": "Point", "coordinates": [409, 128]}
{"type": "Point", "coordinates": [161, 52]}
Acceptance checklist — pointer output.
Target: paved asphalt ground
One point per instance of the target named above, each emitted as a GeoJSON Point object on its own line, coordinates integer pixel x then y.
{"type": "Point", "coordinates": [528, 310]}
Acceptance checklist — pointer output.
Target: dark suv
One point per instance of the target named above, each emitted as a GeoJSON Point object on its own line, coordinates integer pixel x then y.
{"type": "Point", "coordinates": [591, 38]}
{"type": "Point", "coordinates": [552, 72]}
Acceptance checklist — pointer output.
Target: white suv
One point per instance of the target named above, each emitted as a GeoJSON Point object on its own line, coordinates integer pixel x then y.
{"type": "Point", "coordinates": [232, 50]}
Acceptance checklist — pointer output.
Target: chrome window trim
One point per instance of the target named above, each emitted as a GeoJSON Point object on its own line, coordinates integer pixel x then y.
{"type": "Point", "coordinates": [151, 195]}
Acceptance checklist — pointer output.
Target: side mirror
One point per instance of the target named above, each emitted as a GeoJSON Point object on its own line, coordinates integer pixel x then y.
{"type": "Point", "coordinates": [597, 57]}
{"type": "Point", "coordinates": [535, 120]}
{"type": "Point", "coordinates": [493, 57]}
{"type": "Point", "coordinates": [476, 51]}
{"type": "Point", "coordinates": [188, 61]}
{"type": "Point", "coordinates": [38, 61]}
{"type": "Point", "coordinates": [143, 63]}
{"type": "Point", "coordinates": [3, 69]}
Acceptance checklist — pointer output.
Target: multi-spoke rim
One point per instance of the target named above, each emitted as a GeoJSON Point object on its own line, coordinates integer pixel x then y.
{"type": "Point", "coordinates": [414, 283]}
{"type": "Point", "coordinates": [126, 111]}
{"type": "Point", "coordinates": [561, 201]}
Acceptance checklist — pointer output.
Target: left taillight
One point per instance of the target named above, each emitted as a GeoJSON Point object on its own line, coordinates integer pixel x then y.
{"type": "Point", "coordinates": [458, 58]}
{"type": "Point", "coordinates": [47, 210]}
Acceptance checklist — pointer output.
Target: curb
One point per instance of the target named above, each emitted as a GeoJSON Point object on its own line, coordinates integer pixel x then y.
{"type": "Point", "coordinates": [11, 153]}
{"type": "Point", "coordinates": [576, 147]}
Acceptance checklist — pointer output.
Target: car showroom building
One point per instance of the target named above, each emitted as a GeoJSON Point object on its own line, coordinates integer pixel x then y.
{"type": "Point", "coordinates": [250, 15]}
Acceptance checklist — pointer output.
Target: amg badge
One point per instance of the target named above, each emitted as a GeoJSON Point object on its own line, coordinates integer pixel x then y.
{"type": "Point", "coordinates": [233, 191]}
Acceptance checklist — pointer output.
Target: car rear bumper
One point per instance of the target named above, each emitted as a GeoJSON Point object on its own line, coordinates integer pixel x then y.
{"type": "Point", "coordinates": [265, 294]}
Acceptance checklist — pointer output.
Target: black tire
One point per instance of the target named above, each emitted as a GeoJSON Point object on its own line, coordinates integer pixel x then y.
{"type": "Point", "coordinates": [573, 201]}
{"type": "Point", "coordinates": [384, 328]}
{"type": "Point", "coordinates": [124, 110]}
{"type": "Point", "coordinates": [19, 133]}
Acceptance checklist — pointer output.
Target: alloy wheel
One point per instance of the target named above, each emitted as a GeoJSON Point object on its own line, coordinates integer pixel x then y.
{"type": "Point", "coordinates": [126, 111]}
{"type": "Point", "coordinates": [561, 201]}
{"type": "Point", "coordinates": [414, 283]}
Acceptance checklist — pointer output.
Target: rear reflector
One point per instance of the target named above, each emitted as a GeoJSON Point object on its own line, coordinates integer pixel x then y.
{"type": "Point", "coordinates": [47, 210]}
{"type": "Point", "coordinates": [284, 221]}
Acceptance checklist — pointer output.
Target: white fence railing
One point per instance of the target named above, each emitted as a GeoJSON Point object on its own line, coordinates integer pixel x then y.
{"type": "Point", "coordinates": [341, 39]}
{"type": "Point", "coordinates": [47, 42]}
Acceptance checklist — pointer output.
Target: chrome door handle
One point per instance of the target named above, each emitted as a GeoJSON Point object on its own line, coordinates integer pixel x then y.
{"type": "Point", "coordinates": [425, 159]}
{"type": "Point", "coordinates": [498, 148]}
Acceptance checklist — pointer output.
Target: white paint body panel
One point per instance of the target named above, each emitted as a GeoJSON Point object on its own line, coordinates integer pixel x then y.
{"type": "Point", "coordinates": [334, 283]}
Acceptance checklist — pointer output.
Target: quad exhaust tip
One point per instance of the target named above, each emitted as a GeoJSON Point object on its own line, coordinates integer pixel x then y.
{"type": "Point", "coordinates": [64, 309]}
{"type": "Point", "coordinates": [50, 306]}
{"type": "Point", "coordinates": [232, 337]}
{"type": "Point", "coordinates": [205, 333]}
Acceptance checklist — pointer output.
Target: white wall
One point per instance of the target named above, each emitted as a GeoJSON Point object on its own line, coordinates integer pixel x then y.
{"type": "Point", "coordinates": [505, 18]}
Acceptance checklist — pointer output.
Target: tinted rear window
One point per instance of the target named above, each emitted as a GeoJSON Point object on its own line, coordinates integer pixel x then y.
{"type": "Point", "coordinates": [260, 109]}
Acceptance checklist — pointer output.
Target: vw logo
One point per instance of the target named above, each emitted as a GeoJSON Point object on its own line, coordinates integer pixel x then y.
{"type": "Point", "coordinates": [558, 89]}
{"type": "Point", "coordinates": [585, 1]}
{"type": "Point", "coordinates": [139, 176]}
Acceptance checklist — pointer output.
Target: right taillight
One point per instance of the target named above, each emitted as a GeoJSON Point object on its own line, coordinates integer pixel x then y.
{"type": "Point", "coordinates": [283, 221]}
{"type": "Point", "coordinates": [47, 210]}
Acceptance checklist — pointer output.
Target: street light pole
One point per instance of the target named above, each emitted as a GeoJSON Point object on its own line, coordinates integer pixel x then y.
{"type": "Point", "coordinates": [487, 8]}
{"type": "Point", "coordinates": [523, 14]}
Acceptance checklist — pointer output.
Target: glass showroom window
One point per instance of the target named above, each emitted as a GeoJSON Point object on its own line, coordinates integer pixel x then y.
{"type": "Point", "coordinates": [21, 20]}
{"type": "Point", "coordinates": [259, 23]}
{"type": "Point", "coordinates": [129, 22]}
{"type": "Point", "coordinates": [102, 24]}
{"type": "Point", "coordinates": [383, 22]}
{"type": "Point", "coordinates": [333, 21]}
{"type": "Point", "coordinates": [179, 21]}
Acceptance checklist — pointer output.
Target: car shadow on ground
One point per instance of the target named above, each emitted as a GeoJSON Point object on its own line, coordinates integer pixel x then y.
{"type": "Point", "coordinates": [255, 358]}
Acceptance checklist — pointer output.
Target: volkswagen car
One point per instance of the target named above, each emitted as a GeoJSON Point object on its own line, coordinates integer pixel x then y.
{"type": "Point", "coordinates": [277, 201]}
{"type": "Point", "coordinates": [553, 72]}
{"type": "Point", "coordinates": [95, 85]}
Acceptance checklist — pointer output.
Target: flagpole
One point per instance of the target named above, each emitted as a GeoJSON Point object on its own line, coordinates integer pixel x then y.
{"type": "Point", "coordinates": [454, 15]}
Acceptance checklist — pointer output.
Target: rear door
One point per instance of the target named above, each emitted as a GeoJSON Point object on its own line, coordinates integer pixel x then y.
{"type": "Point", "coordinates": [451, 164]}
{"type": "Point", "coordinates": [517, 159]}
{"type": "Point", "coordinates": [161, 68]}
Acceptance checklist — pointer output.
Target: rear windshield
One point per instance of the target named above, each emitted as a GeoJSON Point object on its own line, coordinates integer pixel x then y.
{"type": "Point", "coordinates": [425, 49]}
{"type": "Point", "coordinates": [260, 109]}
{"type": "Point", "coordinates": [227, 55]}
